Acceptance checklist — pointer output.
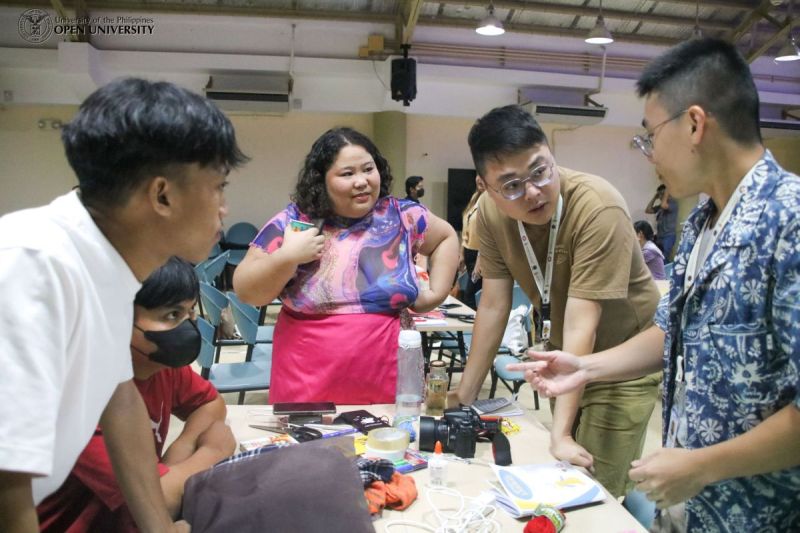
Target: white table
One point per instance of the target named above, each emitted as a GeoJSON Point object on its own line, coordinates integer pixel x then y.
{"type": "Point", "coordinates": [528, 446]}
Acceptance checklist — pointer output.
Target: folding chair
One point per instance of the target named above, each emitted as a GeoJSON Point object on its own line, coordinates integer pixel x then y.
{"type": "Point", "coordinates": [513, 381]}
{"type": "Point", "coordinates": [238, 377]}
{"type": "Point", "coordinates": [246, 317]}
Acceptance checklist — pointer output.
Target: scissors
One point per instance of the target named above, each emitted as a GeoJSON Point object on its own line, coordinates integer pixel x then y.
{"type": "Point", "coordinates": [298, 433]}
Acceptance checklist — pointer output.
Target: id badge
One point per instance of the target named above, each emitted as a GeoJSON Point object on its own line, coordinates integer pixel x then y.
{"type": "Point", "coordinates": [545, 330]}
{"type": "Point", "coordinates": [676, 432]}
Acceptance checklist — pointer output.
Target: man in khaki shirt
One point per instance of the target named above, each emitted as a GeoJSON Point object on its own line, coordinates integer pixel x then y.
{"type": "Point", "coordinates": [600, 291]}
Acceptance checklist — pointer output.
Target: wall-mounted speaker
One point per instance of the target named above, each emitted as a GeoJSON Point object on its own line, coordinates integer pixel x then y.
{"type": "Point", "coordinates": [404, 80]}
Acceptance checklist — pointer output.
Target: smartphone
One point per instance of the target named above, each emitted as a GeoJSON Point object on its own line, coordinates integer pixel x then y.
{"type": "Point", "coordinates": [298, 225]}
{"type": "Point", "coordinates": [294, 408]}
{"type": "Point", "coordinates": [449, 306]}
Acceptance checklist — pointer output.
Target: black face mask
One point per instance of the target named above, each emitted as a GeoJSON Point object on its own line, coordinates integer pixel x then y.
{"type": "Point", "coordinates": [420, 193]}
{"type": "Point", "coordinates": [177, 347]}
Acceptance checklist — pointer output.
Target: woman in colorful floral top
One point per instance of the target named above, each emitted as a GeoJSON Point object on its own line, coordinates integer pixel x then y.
{"type": "Point", "coordinates": [343, 287]}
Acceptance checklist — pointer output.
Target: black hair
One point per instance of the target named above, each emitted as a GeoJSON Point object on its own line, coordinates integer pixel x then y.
{"type": "Point", "coordinates": [310, 193]}
{"type": "Point", "coordinates": [712, 74]}
{"type": "Point", "coordinates": [661, 187]}
{"type": "Point", "coordinates": [503, 131]}
{"type": "Point", "coordinates": [644, 227]}
{"type": "Point", "coordinates": [411, 182]}
{"type": "Point", "coordinates": [132, 129]}
{"type": "Point", "coordinates": [172, 283]}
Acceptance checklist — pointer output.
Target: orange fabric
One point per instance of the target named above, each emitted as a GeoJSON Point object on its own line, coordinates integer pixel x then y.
{"type": "Point", "coordinates": [397, 494]}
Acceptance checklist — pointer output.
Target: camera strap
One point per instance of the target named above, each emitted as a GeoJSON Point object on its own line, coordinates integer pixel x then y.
{"type": "Point", "coordinates": [501, 449]}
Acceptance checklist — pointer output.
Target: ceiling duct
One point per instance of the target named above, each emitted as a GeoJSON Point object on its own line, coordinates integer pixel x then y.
{"type": "Point", "coordinates": [562, 105]}
{"type": "Point", "coordinates": [266, 92]}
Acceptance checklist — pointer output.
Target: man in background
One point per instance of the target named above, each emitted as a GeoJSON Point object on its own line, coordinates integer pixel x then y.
{"type": "Point", "coordinates": [414, 188]}
{"type": "Point", "coordinates": [665, 208]}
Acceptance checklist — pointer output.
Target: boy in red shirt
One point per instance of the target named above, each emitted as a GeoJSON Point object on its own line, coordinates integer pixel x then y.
{"type": "Point", "coordinates": [165, 341]}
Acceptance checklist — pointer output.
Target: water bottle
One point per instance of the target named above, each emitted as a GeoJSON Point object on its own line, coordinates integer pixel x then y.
{"type": "Point", "coordinates": [410, 375]}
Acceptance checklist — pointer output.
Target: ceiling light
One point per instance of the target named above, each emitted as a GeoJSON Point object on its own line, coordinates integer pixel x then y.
{"type": "Point", "coordinates": [789, 51]}
{"type": "Point", "coordinates": [599, 34]}
{"type": "Point", "coordinates": [490, 25]}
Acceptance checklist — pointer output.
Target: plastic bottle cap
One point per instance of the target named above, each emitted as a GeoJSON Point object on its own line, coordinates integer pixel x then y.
{"type": "Point", "coordinates": [410, 339]}
{"type": "Point", "coordinates": [437, 449]}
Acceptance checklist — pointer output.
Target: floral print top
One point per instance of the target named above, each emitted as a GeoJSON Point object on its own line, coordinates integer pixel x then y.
{"type": "Point", "coordinates": [737, 327]}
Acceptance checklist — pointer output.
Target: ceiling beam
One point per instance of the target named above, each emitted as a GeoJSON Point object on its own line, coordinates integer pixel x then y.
{"type": "Point", "coordinates": [749, 21]}
{"type": "Point", "coordinates": [217, 9]}
{"type": "Point", "coordinates": [587, 11]}
{"type": "Point", "coordinates": [413, 9]}
{"type": "Point", "coordinates": [545, 30]}
{"type": "Point", "coordinates": [737, 5]}
{"type": "Point", "coordinates": [778, 35]}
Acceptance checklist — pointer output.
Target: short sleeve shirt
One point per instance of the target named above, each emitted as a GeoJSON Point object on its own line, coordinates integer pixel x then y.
{"type": "Point", "coordinates": [737, 330]}
{"type": "Point", "coordinates": [66, 328]}
{"type": "Point", "coordinates": [597, 257]}
{"type": "Point", "coordinates": [367, 265]}
{"type": "Point", "coordinates": [91, 499]}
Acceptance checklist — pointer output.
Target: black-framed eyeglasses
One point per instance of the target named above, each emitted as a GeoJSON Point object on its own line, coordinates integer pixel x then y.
{"type": "Point", "coordinates": [514, 188]}
{"type": "Point", "coordinates": [645, 142]}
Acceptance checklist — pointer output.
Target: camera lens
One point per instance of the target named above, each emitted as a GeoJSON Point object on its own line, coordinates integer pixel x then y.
{"type": "Point", "coordinates": [427, 433]}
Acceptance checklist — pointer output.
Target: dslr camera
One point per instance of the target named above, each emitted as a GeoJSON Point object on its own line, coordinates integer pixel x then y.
{"type": "Point", "coordinates": [458, 431]}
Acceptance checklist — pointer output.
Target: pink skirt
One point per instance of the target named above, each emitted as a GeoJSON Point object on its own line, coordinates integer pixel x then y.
{"type": "Point", "coordinates": [346, 359]}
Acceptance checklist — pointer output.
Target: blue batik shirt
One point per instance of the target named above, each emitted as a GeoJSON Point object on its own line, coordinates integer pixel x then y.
{"type": "Point", "coordinates": [741, 342]}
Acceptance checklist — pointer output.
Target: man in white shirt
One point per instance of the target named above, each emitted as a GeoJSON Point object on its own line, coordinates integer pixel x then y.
{"type": "Point", "coordinates": [151, 161]}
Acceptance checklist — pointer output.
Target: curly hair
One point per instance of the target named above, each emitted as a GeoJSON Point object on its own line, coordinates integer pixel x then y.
{"type": "Point", "coordinates": [310, 193]}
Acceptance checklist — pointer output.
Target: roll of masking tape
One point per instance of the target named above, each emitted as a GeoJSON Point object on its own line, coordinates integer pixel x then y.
{"type": "Point", "coordinates": [387, 443]}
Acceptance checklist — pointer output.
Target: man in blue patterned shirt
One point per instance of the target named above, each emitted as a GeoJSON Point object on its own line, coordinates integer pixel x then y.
{"type": "Point", "coordinates": [726, 333]}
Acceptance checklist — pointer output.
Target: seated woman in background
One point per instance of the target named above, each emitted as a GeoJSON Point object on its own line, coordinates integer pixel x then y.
{"type": "Point", "coordinates": [343, 286]}
{"type": "Point", "coordinates": [653, 256]}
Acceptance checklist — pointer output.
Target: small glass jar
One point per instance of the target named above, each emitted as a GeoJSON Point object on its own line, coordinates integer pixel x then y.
{"type": "Point", "coordinates": [436, 389]}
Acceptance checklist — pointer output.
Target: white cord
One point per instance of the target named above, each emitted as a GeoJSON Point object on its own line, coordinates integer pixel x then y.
{"type": "Point", "coordinates": [472, 515]}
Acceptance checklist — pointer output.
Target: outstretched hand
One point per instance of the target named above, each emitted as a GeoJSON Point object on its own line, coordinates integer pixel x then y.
{"type": "Point", "coordinates": [552, 373]}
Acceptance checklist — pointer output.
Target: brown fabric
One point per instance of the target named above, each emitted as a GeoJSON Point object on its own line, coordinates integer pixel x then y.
{"type": "Point", "coordinates": [469, 233]}
{"type": "Point", "coordinates": [597, 258]}
{"type": "Point", "coordinates": [305, 488]}
{"type": "Point", "coordinates": [397, 494]}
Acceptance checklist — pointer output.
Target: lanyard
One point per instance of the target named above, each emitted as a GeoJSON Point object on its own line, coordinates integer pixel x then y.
{"type": "Point", "coordinates": [695, 262]}
{"type": "Point", "coordinates": [543, 283]}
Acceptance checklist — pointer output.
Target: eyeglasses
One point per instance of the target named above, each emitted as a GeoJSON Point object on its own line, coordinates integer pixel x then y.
{"type": "Point", "coordinates": [539, 177]}
{"type": "Point", "coordinates": [645, 142]}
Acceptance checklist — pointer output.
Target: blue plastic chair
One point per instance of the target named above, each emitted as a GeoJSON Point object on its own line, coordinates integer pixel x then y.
{"type": "Point", "coordinates": [213, 302]}
{"type": "Point", "coordinates": [209, 270]}
{"type": "Point", "coordinates": [642, 509]}
{"type": "Point", "coordinates": [237, 241]}
{"type": "Point", "coordinates": [230, 377]}
{"type": "Point", "coordinates": [513, 381]}
{"type": "Point", "coordinates": [254, 335]}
